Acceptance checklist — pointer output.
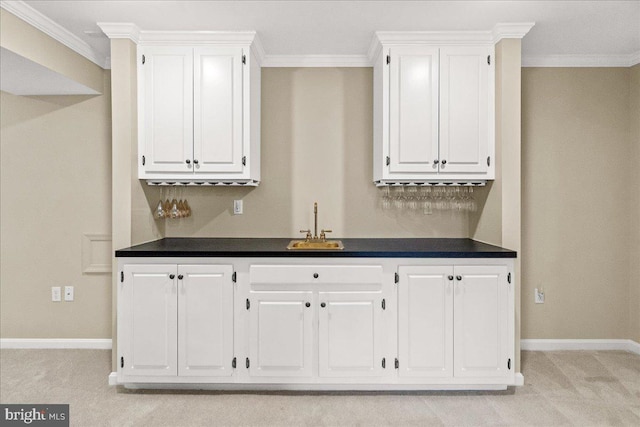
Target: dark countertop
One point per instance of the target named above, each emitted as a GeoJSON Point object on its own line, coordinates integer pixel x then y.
{"type": "Point", "coordinates": [353, 248]}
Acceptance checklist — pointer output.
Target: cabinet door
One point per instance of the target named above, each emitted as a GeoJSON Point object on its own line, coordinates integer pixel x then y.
{"type": "Point", "coordinates": [350, 339]}
{"type": "Point", "coordinates": [218, 114]}
{"type": "Point", "coordinates": [166, 126]}
{"type": "Point", "coordinates": [281, 334]}
{"type": "Point", "coordinates": [466, 109]}
{"type": "Point", "coordinates": [481, 321]}
{"type": "Point", "coordinates": [425, 321]}
{"type": "Point", "coordinates": [205, 320]}
{"type": "Point", "coordinates": [147, 320]}
{"type": "Point", "coordinates": [413, 110]}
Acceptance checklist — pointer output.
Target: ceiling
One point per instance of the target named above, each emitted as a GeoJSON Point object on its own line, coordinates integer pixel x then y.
{"type": "Point", "coordinates": [563, 29]}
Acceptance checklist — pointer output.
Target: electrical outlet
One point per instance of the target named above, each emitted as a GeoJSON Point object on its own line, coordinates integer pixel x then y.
{"type": "Point", "coordinates": [237, 207]}
{"type": "Point", "coordinates": [68, 293]}
{"type": "Point", "coordinates": [539, 296]}
{"type": "Point", "coordinates": [55, 293]}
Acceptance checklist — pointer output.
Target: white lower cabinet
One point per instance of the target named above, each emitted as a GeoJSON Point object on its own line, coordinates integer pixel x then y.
{"type": "Point", "coordinates": [455, 321]}
{"type": "Point", "coordinates": [175, 321]}
{"type": "Point", "coordinates": [315, 321]}
{"type": "Point", "coordinates": [280, 334]}
{"type": "Point", "coordinates": [350, 334]}
{"type": "Point", "coordinates": [365, 324]}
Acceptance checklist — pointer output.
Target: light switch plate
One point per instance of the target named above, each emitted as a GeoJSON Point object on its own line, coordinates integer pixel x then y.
{"type": "Point", "coordinates": [539, 296]}
{"type": "Point", "coordinates": [237, 207]}
{"type": "Point", "coordinates": [55, 293]}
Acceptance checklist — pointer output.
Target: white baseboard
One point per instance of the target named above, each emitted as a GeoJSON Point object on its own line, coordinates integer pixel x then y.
{"type": "Point", "coordinates": [113, 378]}
{"type": "Point", "coordinates": [56, 343]}
{"type": "Point", "coordinates": [553, 345]}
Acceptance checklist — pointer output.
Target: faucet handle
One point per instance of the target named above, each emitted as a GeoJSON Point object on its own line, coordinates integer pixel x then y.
{"type": "Point", "coordinates": [323, 235]}
{"type": "Point", "coordinates": [308, 237]}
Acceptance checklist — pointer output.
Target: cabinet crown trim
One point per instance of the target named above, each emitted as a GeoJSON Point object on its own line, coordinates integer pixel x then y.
{"type": "Point", "coordinates": [441, 38]}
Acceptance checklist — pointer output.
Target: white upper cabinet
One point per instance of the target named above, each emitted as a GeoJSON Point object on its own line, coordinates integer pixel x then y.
{"type": "Point", "coordinates": [413, 107]}
{"type": "Point", "coordinates": [166, 109]}
{"type": "Point", "coordinates": [433, 111]}
{"type": "Point", "coordinates": [217, 138]}
{"type": "Point", "coordinates": [199, 113]}
{"type": "Point", "coordinates": [466, 110]}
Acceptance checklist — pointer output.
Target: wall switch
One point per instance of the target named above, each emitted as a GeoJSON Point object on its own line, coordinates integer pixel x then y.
{"type": "Point", "coordinates": [237, 207]}
{"type": "Point", "coordinates": [539, 296]}
{"type": "Point", "coordinates": [68, 293]}
{"type": "Point", "coordinates": [55, 293]}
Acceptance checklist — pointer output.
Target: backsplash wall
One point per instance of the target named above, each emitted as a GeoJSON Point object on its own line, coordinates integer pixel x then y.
{"type": "Point", "coordinates": [316, 146]}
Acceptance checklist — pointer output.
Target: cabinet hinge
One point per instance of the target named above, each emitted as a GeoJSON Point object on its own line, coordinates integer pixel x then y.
{"type": "Point", "coordinates": [509, 277]}
{"type": "Point", "coordinates": [489, 161]}
{"type": "Point", "coordinates": [122, 277]}
{"type": "Point", "coordinates": [234, 277]}
{"type": "Point", "coordinates": [388, 59]}
{"type": "Point", "coordinates": [384, 304]}
{"type": "Point", "coordinates": [397, 278]}
{"type": "Point", "coordinates": [388, 160]}
{"type": "Point", "coordinates": [488, 59]}
{"type": "Point", "coordinates": [143, 59]}
{"type": "Point", "coordinates": [397, 364]}
{"type": "Point", "coordinates": [244, 160]}
{"type": "Point", "coordinates": [384, 363]}
{"type": "Point", "coordinates": [509, 364]}
{"type": "Point", "coordinates": [248, 304]}
{"type": "Point", "coordinates": [244, 59]}
{"type": "Point", "coordinates": [233, 363]}
{"type": "Point", "coordinates": [122, 362]}
{"type": "Point", "coordinates": [143, 160]}
{"type": "Point", "coordinates": [247, 363]}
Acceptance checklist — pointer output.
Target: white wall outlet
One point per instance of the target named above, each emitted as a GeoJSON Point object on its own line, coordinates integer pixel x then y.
{"type": "Point", "coordinates": [539, 296]}
{"type": "Point", "coordinates": [68, 293]}
{"type": "Point", "coordinates": [237, 207]}
{"type": "Point", "coordinates": [55, 293]}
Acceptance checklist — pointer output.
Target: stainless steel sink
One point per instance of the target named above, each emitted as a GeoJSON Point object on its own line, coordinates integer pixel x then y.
{"type": "Point", "coordinates": [325, 245]}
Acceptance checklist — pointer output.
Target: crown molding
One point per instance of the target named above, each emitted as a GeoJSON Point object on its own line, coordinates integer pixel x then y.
{"type": "Point", "coordinates": [53, 30]}
{"type": "Point", "coordinates": [500, 31]}
{"type": "Point", "coordinates": [196, 37]}
{"type": "Point", "coordinates": [316, 61]}
{"type": "Point", "coordinates": [581, 60]}
{"type": "Point", "coordinates": [120, 30]}
{"type": "Point", "coordinates": [513, 30]}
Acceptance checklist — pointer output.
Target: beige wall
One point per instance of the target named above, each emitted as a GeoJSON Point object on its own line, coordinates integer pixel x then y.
{"type": "Point", "coordinates": [31, 43]}
{"type": "Point", "coordinates": [316, 146]}
{"type": "Point", "coordinates": [55, 186]}
{"type": "Point", "coordinates": [576, 202]}
{"type": "Point", "coordinates": [634, 194]}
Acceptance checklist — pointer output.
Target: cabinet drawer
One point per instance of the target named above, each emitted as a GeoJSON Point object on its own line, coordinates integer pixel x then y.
{"type": "Point", "coordinates": [302, 274]}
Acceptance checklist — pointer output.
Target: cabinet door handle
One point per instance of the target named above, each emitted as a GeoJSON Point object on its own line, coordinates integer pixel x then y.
{"type": "Point", "coordinates": [450, 277]}
{"type": "Point", "coordinates": [315, 275]}
{"type": "Point", "coordinates": [308, 305]}
{"type": "Point", "coordinates": [458, 277]}
{"type": "Point", "coordinates": [180, 276]}
{"type": "Point", "coordinates": [323, 305]}
{"type": "Point", "coordinates": [436, 161]}
{"type": "Point", "coordinates": [172, 276]}
{"type": "Point", "coordinates": [444, 162]}
{"type": "Point", "coordinates": [195, 161]}
{"type": "Point", "coordinates": [188, 161]}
